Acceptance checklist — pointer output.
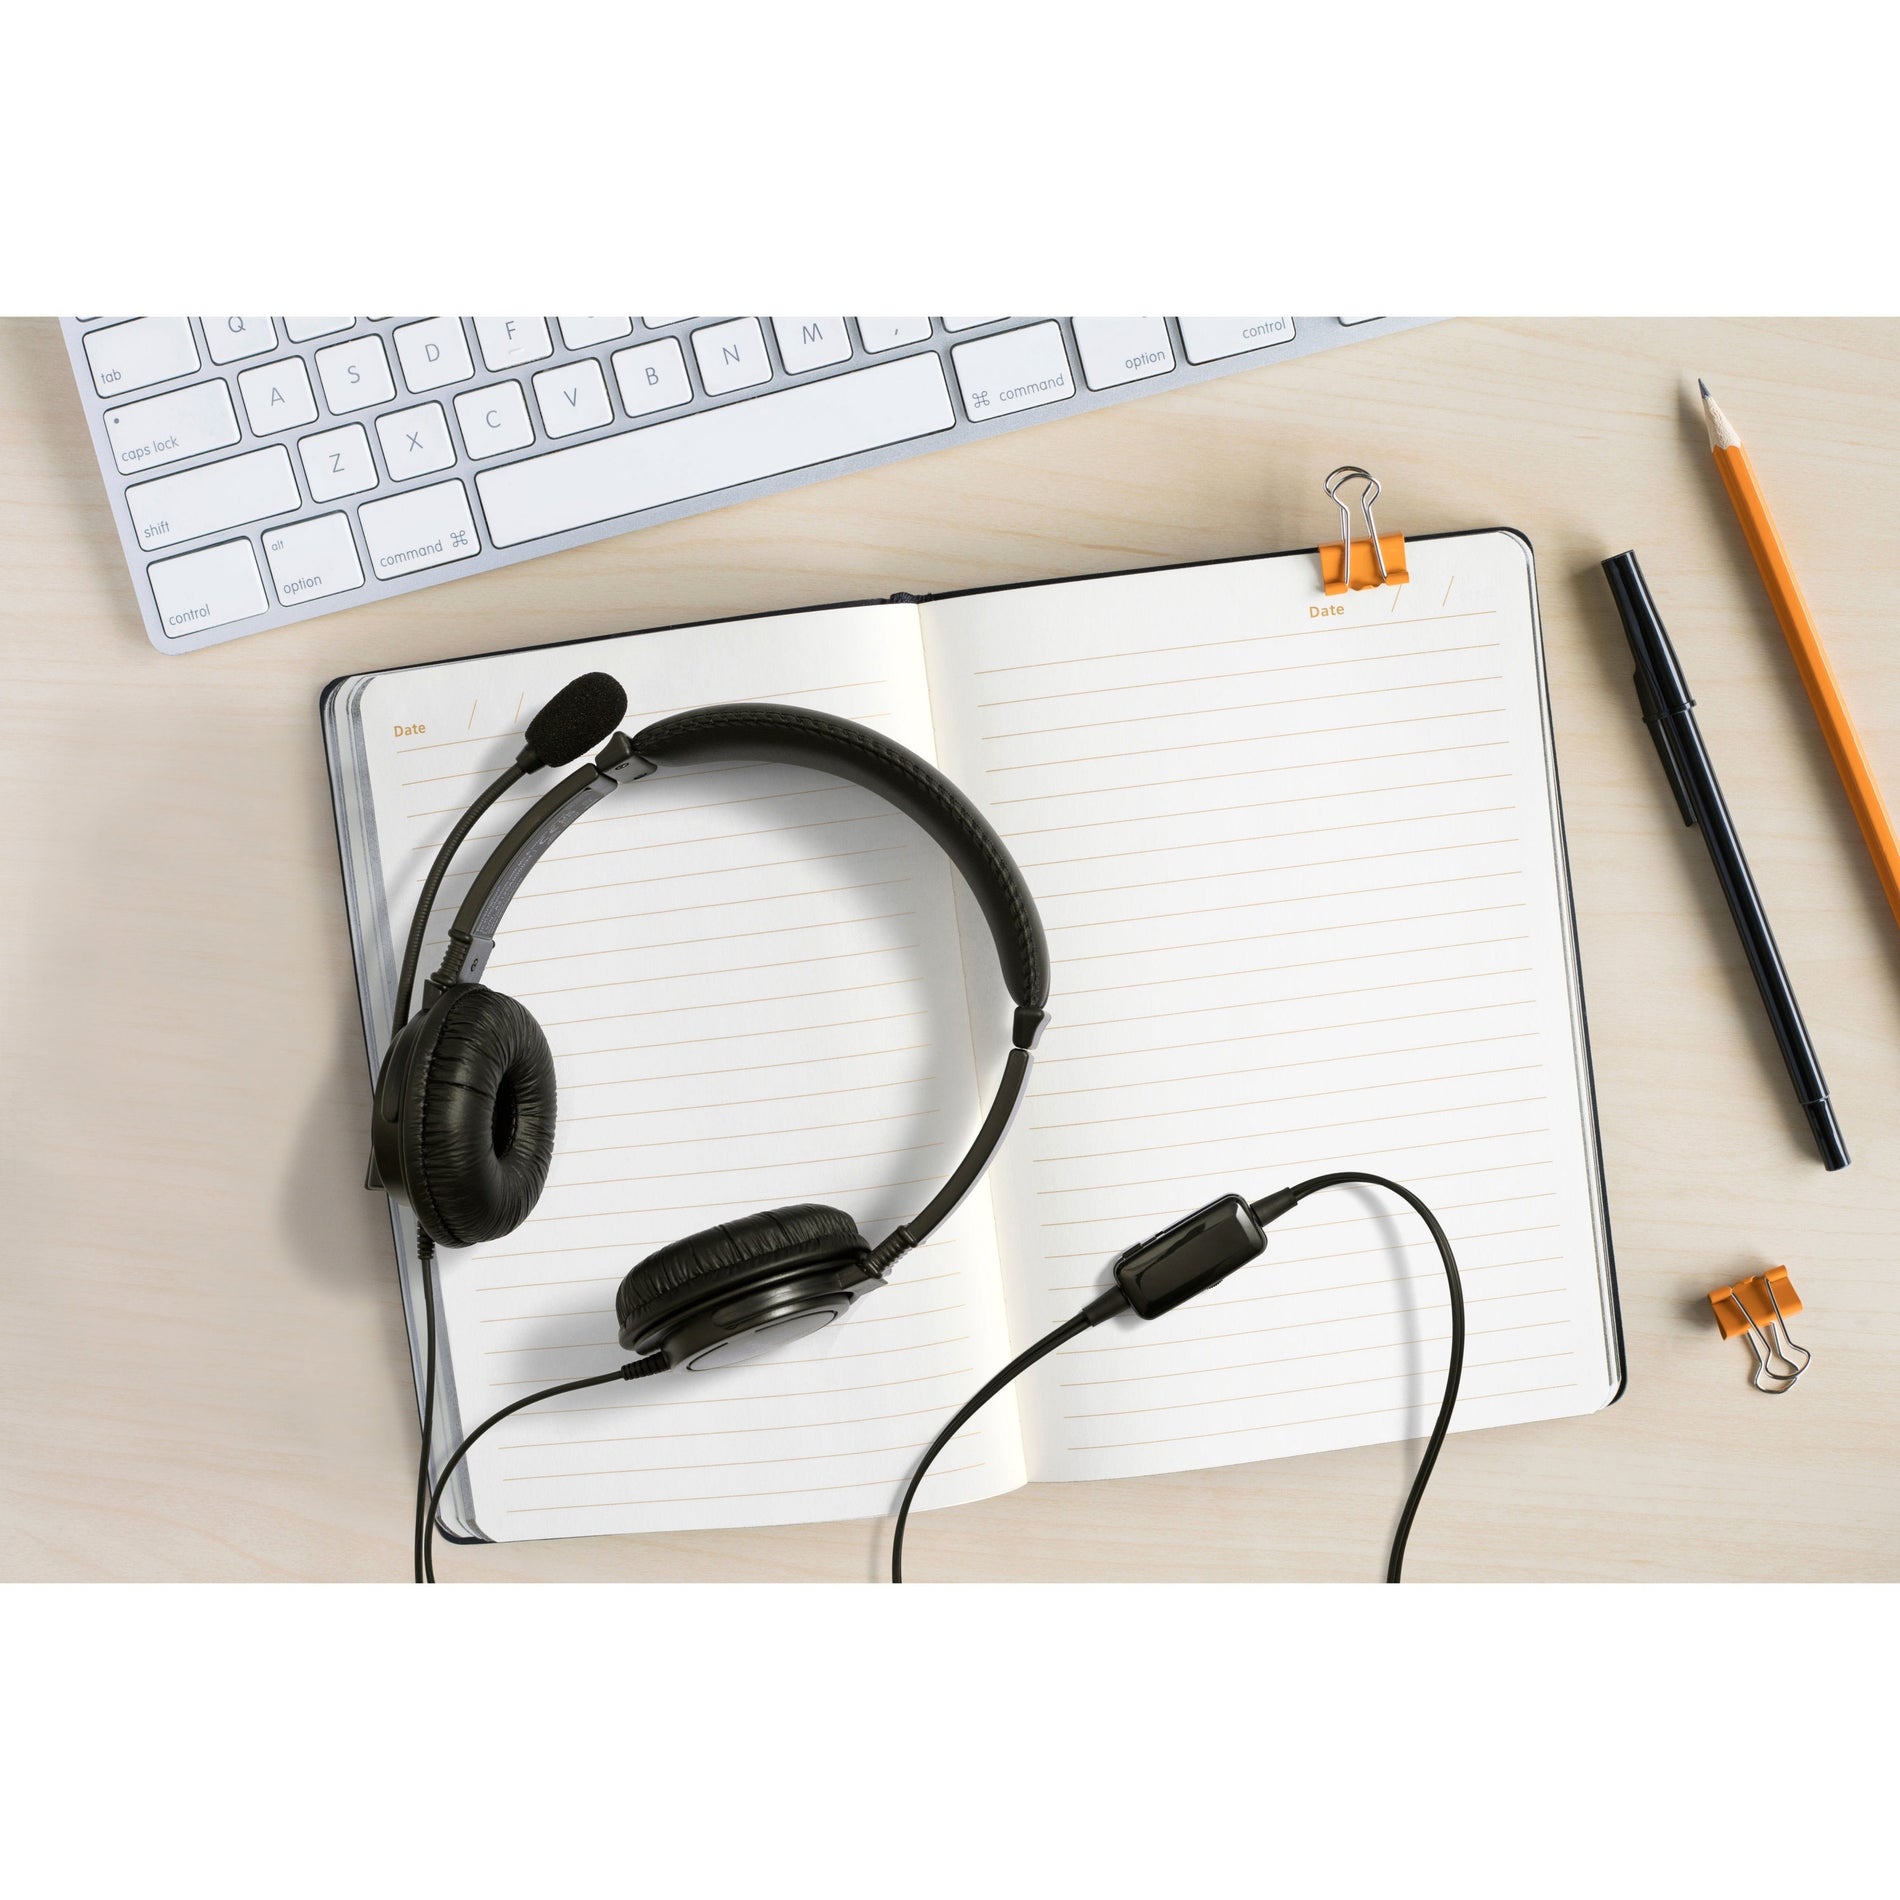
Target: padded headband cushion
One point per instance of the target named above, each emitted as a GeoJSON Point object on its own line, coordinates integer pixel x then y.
{"type": "Point", "coordinates": [479, 1119]}
{"type": "Point", "coordinates": [787, 1236]}
{"type": "Point", "coordinates": [793, 735]}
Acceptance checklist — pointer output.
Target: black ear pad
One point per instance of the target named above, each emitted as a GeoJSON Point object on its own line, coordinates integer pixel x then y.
{"type": "Point", "coordinates": [477, 1117]}
{"type": "Point", "coordinates": [760, 1252]}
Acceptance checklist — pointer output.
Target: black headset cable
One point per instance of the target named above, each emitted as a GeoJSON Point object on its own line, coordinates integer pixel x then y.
{"type": "Point", "coordinates": [425, 1247]}
{"type": "Point", "coordinates": [1271, 1209]}
{"type": "Point", "coordinates": [1107, 1305]}
{"type": "Point", "coordinates": [425, 1552]}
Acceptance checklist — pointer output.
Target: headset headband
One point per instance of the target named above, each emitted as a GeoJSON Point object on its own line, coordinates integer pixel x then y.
{"type": "Point", "coordinates": [821, 742]}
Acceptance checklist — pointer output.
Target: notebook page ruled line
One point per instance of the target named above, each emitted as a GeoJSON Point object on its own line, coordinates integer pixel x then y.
{"type": "Point", "coordinates": [696, 947]}
{"type": "Point", "coordinates": [1301, 920]}
{"type": "Point", "coordinates": [1103, 659]}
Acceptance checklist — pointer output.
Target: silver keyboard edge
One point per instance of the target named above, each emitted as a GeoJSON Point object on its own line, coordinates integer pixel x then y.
{"type": "Point", "coordinates": [1311, 335]}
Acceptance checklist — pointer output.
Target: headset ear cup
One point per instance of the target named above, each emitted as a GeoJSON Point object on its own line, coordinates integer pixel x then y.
{"type": "Point", "coordinates": [723, 1262]}
{"type": "Point", "coordinates": [478, 1118]}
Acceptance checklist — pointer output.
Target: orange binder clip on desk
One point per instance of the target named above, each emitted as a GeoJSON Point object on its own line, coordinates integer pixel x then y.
{"type": "Point", "coordinates": [1759, 1309]}
{"type": "Point", "coordinates": [1375, 560]}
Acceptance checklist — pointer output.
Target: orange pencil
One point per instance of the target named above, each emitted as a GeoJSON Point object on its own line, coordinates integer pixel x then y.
{"type": "Point", "coordinates": [1797, 624]}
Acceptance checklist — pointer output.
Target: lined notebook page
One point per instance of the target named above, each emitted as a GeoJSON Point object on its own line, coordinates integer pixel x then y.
{"type": "Point", "coordinates": [1303, 886]}
{"type": "Point", "coordinates": [750, 980]}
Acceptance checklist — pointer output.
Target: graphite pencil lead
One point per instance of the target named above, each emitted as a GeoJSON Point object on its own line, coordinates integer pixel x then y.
{"type": "Point", "coordinates": [1721, 431]}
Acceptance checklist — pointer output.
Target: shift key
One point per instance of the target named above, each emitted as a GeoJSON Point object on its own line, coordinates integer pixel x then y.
{"type": "Point", "coordinates": [207, 500]}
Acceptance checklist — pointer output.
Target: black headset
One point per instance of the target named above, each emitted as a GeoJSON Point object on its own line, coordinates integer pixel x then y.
{"type": "Point", "coordinates": [462, 1126]}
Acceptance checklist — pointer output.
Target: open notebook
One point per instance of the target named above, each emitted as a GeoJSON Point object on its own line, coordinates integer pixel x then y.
{"type": "Point", "coordinates": [1302, 870]}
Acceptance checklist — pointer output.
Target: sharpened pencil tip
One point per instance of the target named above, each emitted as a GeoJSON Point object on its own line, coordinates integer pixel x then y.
{"type": "Point", "coordinates": [1721, 431]}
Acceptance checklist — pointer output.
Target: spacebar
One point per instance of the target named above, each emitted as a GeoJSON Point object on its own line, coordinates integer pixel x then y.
{"type": "Point", "coordinates": [718, 448]}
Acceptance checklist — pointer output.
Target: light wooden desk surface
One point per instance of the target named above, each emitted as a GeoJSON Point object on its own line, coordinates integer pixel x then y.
{"type": "Point", "coordinates": [202, 1370]}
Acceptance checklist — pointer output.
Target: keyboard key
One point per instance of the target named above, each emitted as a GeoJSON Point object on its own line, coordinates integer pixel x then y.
{"type": "Point", "coordinates": [210, 588]}
{"type": "Point", "coordinates": [217, 496]}
{"type": "Point", "coordinates": [1122, 349]}
{"type": "Point", "coordinates": [1206, 339]}
{"type": "Point", "coordinates": [1350, 321]}
{"type": "Point", "coordinates": [651, 377]}
{"type": "Point", "coordinates": [953, 324]}
{"type": "Point", "coordinates": [427, 527]}
{"type": "Point", "coordinates": [494, 420]}
{"type": "Point", "coordinates": [660, 323]}
{"type": "Point", "coordinates": [168, 428]}
{"type": "Point", "coordinates": [310, 559]}
{"type": "Point", "coordinates": [792, 428]}
{"type": "Point", "coordinates": [580, 333]}
{"type": "Point", "coordinates": [277, 396]}
{"type": "Point", "coordinates": [231, 338]}
{"type": "Point", "coordinates": [433, 352]}
{"type": "Point", "coordinates": [146, 350]}
{"type": "Point", "coordinates": [572, 398]}
{"type": "Point", "coordinates": [415, 441]}
{"type": "Point", "coordinates": [337, 462]}
{"type": "Point", "coordinates": [1018, 369]}
{"type": "Point", "coordinates": [886, 333]}
{"type": "Point", "coordinates": [302, 329]}
{"type": "Point", "coordinates": [507, 341]}
{"type": "Point", "coordinates": [811, 342]}
{"type": "Point", "coordinates": [355, 374]}
{"type": "Point", "coordinates": [732, 356]}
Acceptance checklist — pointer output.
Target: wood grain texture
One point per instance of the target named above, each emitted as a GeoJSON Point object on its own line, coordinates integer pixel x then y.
{"type": "Point", "coordinates": [201, 1365]}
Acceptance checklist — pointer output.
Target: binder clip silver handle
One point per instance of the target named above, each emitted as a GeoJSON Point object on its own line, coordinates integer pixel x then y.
{"type": "Point", "coordinates": [1779, 1359]}
{"type": "Point", "coordinates": [1776, 1350]}
{"type": "Point", "coordinates": [1367, 496]}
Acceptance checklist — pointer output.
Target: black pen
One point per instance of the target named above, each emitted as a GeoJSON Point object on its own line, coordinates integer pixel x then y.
{"type": "Point", "coordinates": [1665, 699]}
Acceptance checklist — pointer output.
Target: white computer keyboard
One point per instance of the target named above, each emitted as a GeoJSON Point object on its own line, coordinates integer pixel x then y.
{"type": "Point", "coordinates": [269, 469]}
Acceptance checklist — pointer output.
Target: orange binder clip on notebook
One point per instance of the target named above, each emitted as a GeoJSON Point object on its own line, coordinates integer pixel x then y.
{"type": "Point", "coordinates": [1376, 560]}
{"type": "Point", "coordinates": [1759, 1309]}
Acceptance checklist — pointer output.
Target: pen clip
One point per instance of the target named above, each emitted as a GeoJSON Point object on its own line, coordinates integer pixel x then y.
{"type": "Point", "coordinates": [1665, 745]}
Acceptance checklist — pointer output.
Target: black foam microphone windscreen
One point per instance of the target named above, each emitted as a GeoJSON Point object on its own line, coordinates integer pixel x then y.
{"type": "Point", "coordinates": [578, 718]}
